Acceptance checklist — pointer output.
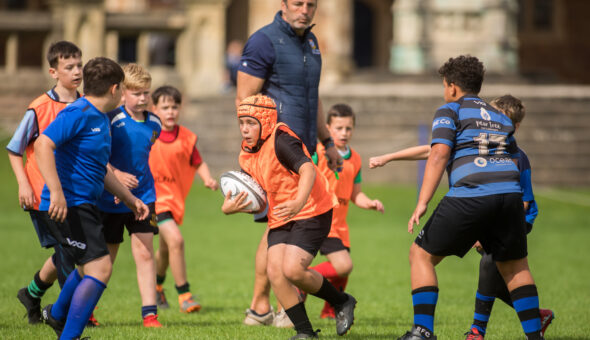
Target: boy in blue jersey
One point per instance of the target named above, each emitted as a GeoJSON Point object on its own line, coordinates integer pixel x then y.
{"type": "Point", "coordinates": [65, 66]}
{"type": "Point", "coordinates": [133, 131]}
{"type": "Point", "coordinates": [475, 144]}
{"type": "Point", "coordinates": [72, 154]}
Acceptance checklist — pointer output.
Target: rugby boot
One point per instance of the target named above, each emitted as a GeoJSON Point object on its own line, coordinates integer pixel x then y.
{"type": "Point", "coordinates": [161, 300]}
{"type": "Point", "coordinates": [345, 315]}
{"type": "Point", "coordinates": [281, 320]}
{"type": "Point", "coordinates": [474, 334]}
{"type": "Point", "coordinates": [92, 322]}
{"type": "Point", "coordinates": [254, 319]}
{"type": "Point", "coordinates": [414, 334]}
{"type": "Point", "coordinates": [188, 303]}
{"type": "Point", "coordinates": [151, 321]}
{"type": "Point", "coordinates": [32, 305]}
{"type": "Point", "coordinates": [58, 326]}
{"type": "Point", "coordinates": [547, 316]}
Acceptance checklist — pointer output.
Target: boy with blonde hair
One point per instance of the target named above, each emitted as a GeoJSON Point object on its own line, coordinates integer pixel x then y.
{"type": "Point", "coordinates": [65, 66]}
{"type": "Point", "coordinates": [174, 159]}
{"type": "Point", "coordinates": [134, 130]}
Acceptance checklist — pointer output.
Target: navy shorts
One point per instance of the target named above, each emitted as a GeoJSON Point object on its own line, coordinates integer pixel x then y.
{"type": "Point", "coordinates": [46, 239]}
{"type": "Point", "coordinates": [80, 235]}
{"type": "Point", "coordinates": [115, 224]}
{"type": "Point", "coordinates": [497, 221]}
{"type": "Point", "coordinates": [307, 234]}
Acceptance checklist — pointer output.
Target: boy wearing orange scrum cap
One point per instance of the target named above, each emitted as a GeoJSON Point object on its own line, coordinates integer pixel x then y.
{"type": "Point", "coordinates": [300, 212]}
{"type": "Point", "coordinates": [346, 184]}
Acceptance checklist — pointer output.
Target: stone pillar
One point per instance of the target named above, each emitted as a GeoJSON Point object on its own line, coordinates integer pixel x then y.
{"type": "Point", "coordinates": [12, 53]}
{"type": "Point", "coordinates": [261, 13]}
{"type": "Point", "coordinates": [143, 49]}
{"type": "Point", "coordinates": [334, 30]}
{"type": "Point", "coordinates": [112, 44]}
{"type": "Point", "coordinates": [407, 51]}
{"type": "Point", "coordinates": [201, 46]}
{"type": "Point", "coordinates": [81, 22]}
{"type": "Point", "coordinates": [500, 53]}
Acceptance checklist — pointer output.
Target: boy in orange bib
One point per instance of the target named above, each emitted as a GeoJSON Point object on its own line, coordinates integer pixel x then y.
{"type": "Point", "coordinates": [347, 187]}
{"type": "Point", "coordinates": [174, 160]}
{"type": "Point", "coordinates": [300, 212]}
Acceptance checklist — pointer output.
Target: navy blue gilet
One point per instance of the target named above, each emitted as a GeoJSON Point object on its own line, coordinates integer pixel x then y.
{"type": "Point", "coordinates": [293, 83]}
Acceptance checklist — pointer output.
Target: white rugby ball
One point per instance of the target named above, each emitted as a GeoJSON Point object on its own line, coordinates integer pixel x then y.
{"type": "Point", "coordinates": [238, 181]}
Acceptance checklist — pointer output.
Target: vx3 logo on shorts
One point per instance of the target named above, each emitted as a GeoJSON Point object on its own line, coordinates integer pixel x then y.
{"type": "Point", "coordinates": [76, 244]}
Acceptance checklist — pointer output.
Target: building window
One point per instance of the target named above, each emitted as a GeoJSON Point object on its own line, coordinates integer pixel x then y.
{"type": "Point", "coordinates": [127, 49]}
{"type": "Point", "coordinates": [543, 15]}
{"type": "Point", "coordinates": [162, 49]}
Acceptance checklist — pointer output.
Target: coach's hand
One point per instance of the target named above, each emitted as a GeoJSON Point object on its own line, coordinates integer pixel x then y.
{"type": "Point", "coordinates": [415, 219]}
{"type": "Point", "coordinates": [334, 159]}
{"type": "Point", "coordinates": [58, 207]}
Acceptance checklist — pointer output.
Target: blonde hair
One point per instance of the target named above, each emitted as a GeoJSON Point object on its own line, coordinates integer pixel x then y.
{"type": "Point", "coordinates": [136, 77]}
{"type": "Point", "coordinates": [511, 107]}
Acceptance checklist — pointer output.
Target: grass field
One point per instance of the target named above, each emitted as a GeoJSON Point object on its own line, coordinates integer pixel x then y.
{"type": "Point", "coordinates": [220, 254]}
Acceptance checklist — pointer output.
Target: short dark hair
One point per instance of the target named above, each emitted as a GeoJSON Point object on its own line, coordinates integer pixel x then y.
{"type": "Point", "coordinates": [464, 71]}
{"type": "Point", "coordinates": [100, 74]}
{"type": "Point", "coordinates": [340, 110]}
{"type": "Point", "coordinates": [166, 91]}
{"type": "Point", "coordinates": [510, 106]}
{"type": "Point", "coordinates": [61, 49]}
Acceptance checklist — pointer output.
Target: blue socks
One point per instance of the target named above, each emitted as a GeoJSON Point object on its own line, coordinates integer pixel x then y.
{"type": "Point", "coordinates": [60, 308]}
{"type": "Point", "coordinates": [525, 300]}
{"type": "Point", "coordinates": [424, 300]}
{"type": "Point", "coordinates": [83, 302]}
{"type": "Point", "coordinates": [483, 309]}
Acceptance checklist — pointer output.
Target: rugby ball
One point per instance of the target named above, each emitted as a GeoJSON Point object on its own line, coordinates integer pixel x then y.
{"type": "Point", "coordinates": [238, 181]}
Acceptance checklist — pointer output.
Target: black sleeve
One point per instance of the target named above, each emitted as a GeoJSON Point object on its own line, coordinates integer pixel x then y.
{"type": "Point", "coordinates": [289, 151]}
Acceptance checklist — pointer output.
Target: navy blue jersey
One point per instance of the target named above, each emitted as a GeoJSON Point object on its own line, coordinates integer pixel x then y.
{"type": "Point", "coordinates": [482, 146]}
{"type": "Point", "coordinates": [132, 142]}
{"type": "Point", "coordinates": [524, 166]}
{"type": "Point", "coordinates": [82, 137]}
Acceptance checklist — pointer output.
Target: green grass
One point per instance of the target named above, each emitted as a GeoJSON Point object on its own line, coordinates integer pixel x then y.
{"type": "Point", "coordinates": [220, 258]}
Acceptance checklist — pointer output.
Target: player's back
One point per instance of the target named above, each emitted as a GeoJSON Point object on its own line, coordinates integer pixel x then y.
{"type": "Point", "coordinates": [482, 146]}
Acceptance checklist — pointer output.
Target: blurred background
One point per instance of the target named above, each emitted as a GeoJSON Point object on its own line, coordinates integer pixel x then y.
{"type": "Point", "coordinates": [379, 56]}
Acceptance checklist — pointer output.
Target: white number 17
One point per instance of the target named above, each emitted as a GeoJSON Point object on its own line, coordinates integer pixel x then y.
{"type": "Point", "coordinates": [485, 139]}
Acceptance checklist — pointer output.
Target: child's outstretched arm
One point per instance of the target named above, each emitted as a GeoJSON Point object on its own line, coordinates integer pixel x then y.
{"type": "Point", "coordinates": [205, 174]}
{"type": "Point", "coordinates": [290, 208]}
{"type": "Point", "coordinates": [413, 153]}
{"type": "Point", "coordinates": [26, 196]}
{"type": "Point", "coordinates": [363, 201]}
{"type": "Point", "coordinates": [58, 207]}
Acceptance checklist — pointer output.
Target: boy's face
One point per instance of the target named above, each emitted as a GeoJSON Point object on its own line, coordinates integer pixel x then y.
{"type": "Point", "coordinates": [250, 130]}
{"type": "Point", "coordinates": [68, 72]}
{"type": "Point", "coordinates": [341, 129]}
{"type": "Point", "coordinates": [136, 100]}
{"type": "Point", "coordinates": [168, 110]}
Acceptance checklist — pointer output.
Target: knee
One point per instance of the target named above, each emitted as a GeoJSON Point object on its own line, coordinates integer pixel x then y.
{"type": "Point", "coordinates": [176, 243]}
{"type": "Point", "coordinates": [343, 269]}
{"type": "Point", "coordinates": [273, 272]}
{"type": "Point", "coordinates": [293, 273]}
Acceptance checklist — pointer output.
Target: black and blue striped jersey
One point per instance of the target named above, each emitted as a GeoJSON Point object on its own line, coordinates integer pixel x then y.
{"type": "Point", "coordinates": [482, 148]}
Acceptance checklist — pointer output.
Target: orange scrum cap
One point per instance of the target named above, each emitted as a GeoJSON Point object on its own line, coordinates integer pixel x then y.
{"type": "Point", "coordinates": [261, 108]}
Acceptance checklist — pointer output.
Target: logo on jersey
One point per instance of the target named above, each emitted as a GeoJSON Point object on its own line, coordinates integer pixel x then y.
{"type": "Point", "coordinates": [441, 121]}
{"type": "Point", "coordinates": [96, 129]}
{"type": "Point", "coordinates": [120, 125]}
{"type": "Point", "coordinates": [245, 64]}
{"type": "Point", "coordinates": [484, 114]}
{"type": "Point", "coordinates": [480, 162]}
{"type": "Point", "coordinates": [314, 48]}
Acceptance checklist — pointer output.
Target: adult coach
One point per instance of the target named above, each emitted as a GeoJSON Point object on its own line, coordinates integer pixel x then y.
{"type": "Point", "coordinates": [475, 143]}
{"type": "Point", "coordinates": [282, 60]}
